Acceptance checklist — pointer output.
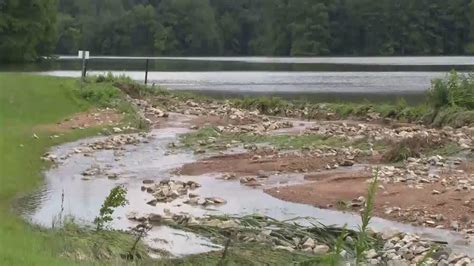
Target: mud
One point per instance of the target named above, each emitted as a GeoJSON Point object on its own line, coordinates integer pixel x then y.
{"type": "Point", "coordinates": [252, 163]}
{"type": "Point", "coordinates": [337, 190]}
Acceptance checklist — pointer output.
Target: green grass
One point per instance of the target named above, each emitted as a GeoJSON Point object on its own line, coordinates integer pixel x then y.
{"type": "Point", "coordinates": [198, 139]}
{"type": "Point", "coordinates": [27, 101]}
{"type": "Point", "coordinates": [243, 254]}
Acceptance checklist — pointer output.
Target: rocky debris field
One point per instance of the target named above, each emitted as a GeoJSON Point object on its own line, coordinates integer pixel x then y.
{"type": "Point", "coordinates": [397, 248]}
{"type": "Point", "coordinates": [169, 190]}
{"type": "Point", "coordinates": [428, 190]}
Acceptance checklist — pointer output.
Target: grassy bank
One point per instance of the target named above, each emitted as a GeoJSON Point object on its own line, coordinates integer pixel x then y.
{"type": "Point", "coordinates": [26, 103]}
{"type": "Point", "coordinates": [448, 102]}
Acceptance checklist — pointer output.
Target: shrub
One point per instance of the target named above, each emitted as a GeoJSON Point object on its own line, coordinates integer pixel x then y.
{"type": "Point", "coordinates": [266, 105]}
{"type": "Point", "coordinates": [409, 147]}
{"type": "Point", "coordinates": [454, 90]}
{"type": "Point", "coordinates": [116, 198]}
{"type": "Point", "coordinates": [453, 116]}
{"type": "Point", "coordinates": [102, 95]}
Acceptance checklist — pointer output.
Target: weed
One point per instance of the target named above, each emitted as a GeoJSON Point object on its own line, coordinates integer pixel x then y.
{"type": "Point", "coordinates": [427, 256]}
{"type": "Point", "coordinates": [116, 198]}
{"type": "Point", "coordinates": [266, 105]}
{"type": "Point", "coordinates": [363, 242]}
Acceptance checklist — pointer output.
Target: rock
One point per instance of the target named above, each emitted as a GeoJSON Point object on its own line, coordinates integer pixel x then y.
{"type": "Point", "coordinates": [347, 163]}
{"type": "Point", "coordinates": [463, 262]}
{"type": "Point", "coordinates": [192, 195]}
{"type": "Point", "coordinates": [398, 262]}
{"type": "Point", "coordinates": [262, 174]}
{"type": "Point", "coordinates": [374, 262]}
{"type": "Point", "coordinates": [152, 202]}
{"type": "Point", "coordinates": [443, 262]}
{"type": "Point", "coordinates": [289, 249]}
{"type": "Point", "coordinates": [214, 200]}
{"type": "Point", "coordinates": [309, 243]}
{"type": "Point", "coordinates": [199, 151]}
{"type": "Point", "coordinates": [455, 225]}
{"type": "Point", "coordinates": [192, 201]}
{"type": "Point", "coordinates": [320, 249]}
{"type": "Point", "coordinates": [371, 254]}
{"type": "Point", "coordinates": [148, 181]}
{"type": "Point", "coordinates": [191, 103]}
{"type": "Point", "coordinates": [155, 218]}
{"type": "Point", "coordinates": [112, 176]}
{"type": "Point", "coordinates": [441, 253]}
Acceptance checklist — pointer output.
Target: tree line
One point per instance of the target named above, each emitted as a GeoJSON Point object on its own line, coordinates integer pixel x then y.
{"type": "Point", "coordinates": [29, 28]}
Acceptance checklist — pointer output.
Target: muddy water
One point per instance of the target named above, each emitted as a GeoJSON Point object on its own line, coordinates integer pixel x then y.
{"type": "Point", "coordinates": [83, 198]}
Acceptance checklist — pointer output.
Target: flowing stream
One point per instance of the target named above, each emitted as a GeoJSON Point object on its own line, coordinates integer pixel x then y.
{"type": "Point", "coordinates": [152, 160]}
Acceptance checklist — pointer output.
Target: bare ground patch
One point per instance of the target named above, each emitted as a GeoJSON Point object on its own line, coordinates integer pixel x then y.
{"type": "Point", "coordinates": [93, 118]}
{"type": "Point", "coordinates": [252, 163]}
{"type": "Point", "coordinates": [431, 206]}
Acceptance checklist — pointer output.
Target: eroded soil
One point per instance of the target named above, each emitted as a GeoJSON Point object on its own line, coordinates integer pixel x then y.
{"type": "Point", "coordinates": [90, 119]}
{"type": "Point", "coordinates": [448, 209]}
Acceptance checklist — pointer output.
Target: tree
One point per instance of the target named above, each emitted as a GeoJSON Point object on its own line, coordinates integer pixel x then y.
{"type": "Point", "coordinates": [27, 29]}
{"type": "Point", "coordinates": [189, 27]}
{"type": "Point", "coordinates": [266, 27]}
{"type": "Point", "coordinates": [309, 27]}
{"type": "Point", "coordinates": [470, 44]}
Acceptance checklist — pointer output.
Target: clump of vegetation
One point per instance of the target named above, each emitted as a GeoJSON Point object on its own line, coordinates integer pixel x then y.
{"type": "Point", "coordinates": [115, 199]}
{"type": "Point", "coordinates": [456, 90]}
{"type": "Point", "coordinates": [265, 105]}
{"type": "Point", "coordinates": [104, 95]}
{"type": "Point", "coordinates": [363, 240]}
{"type": "Point", "coordinates": [127, 85]}
{"type": "Point", "coordinates": [83, 244]}
{"type": "Point", "coordinates": [406, 148]}
{"type": "Point", "coordinates": [452, 100]}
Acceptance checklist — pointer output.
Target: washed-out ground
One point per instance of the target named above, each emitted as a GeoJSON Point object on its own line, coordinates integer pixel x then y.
{"type": "Point", "coordinates": [205, 158]}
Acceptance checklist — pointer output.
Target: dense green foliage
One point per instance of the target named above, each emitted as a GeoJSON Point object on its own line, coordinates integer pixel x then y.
{"type": "Point", "coordinates": [267, 27]}
{"type": "Point", "coordinates": [27, 29]}
{"type": "Point", "coordinates": [235, 27]}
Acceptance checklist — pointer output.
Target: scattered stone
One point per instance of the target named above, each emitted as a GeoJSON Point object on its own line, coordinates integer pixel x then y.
{"type": "Point", "coordinates": [347, 163]}
{"type": "Point", "coordinates": [169, 190]}
{"type": "Point", "coordinates": [262, 174]}
{"type": "Point", "coordinates": [214, 201]}
{"type": "Point", "coordinates": [321, 249]}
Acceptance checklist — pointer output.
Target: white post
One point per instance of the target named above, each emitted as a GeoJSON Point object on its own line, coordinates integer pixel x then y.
{"type": "Point", "coordinates": [83, 72]}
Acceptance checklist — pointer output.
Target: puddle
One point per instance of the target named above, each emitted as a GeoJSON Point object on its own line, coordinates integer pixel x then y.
{"type": "Point", "coordinates": [82, 199]}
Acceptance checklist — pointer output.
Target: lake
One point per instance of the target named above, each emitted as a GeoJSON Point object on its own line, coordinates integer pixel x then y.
{"type": "Point", "coordinates": [314, 78]}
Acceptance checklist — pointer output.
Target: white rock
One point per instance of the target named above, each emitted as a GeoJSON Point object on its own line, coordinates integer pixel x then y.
{"type": "Point", "coordinates": [320, 249]}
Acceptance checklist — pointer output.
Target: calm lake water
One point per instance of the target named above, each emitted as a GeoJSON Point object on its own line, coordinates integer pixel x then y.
{"type": "Point", "coordinates": [316, 78]}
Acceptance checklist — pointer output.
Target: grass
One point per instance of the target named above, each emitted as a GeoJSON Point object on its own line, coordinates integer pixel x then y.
{"type": "Point", "coordinates": [27, 101]}
{"type": "Point", "coordinates": [201, 137]}
{"type": "Point", "coordinates": [243, 254]}
{"type": "Point", "coordinates": [449, 102]}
